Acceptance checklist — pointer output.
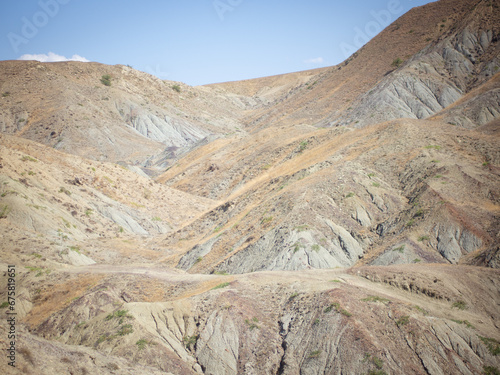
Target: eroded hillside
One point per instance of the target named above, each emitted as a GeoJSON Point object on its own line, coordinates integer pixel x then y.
{"type": "Point", "coordinates": [338, 220]}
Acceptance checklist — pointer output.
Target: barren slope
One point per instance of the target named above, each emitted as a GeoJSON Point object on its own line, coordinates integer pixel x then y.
{"type": "Point", "coordinates": [272, 242]}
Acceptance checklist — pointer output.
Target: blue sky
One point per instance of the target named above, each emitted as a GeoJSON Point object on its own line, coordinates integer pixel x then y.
{"type": "Point", "coordinates": [196, 41]}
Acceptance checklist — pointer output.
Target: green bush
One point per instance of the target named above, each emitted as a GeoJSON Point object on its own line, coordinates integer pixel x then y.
{"type": "Point", "coordinates": [397, 62]}
{"type": "Point", "coordinates": [490, 370]}
{"type": "Point", "coordinates": [314, 354]}
{"type": "Point", "coordinates": [404, 320]}
{"type": "Point", "coordinates": [303, 146]}
{"type": "Point", "coordinates": [375, 299]}
{"type": "Point", "coordinates": [141, 344]}
{"type": "Point", "coordinates": [492, 344]}
{"type": "Point", "coordinates": [106, 80]}
{"type": "Point", "coordinates": [4, 211]}
{"type": "Point", "coordinates": [190, 341]}
{"type": "Point", "coordinates": [176, 88]}
{"type": "Point", "coordinates": [125, 330]}
{"type": "Point", "coordinates": [461, 305]}
{"type": "Point", "coordinates": [220, 286]}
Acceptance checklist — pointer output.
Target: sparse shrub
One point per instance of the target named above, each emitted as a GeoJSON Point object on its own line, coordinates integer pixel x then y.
{"type": "Point", "coordinates": [64, 190]}
{"type": "Point", "coordinates": [375, 299]}
{"type": "Point", "coordinates": [28, 158]}
{"type": "Point", "coordinates": [401, 249]}
{"type": "Point", "coordinates": [297, 246]}
{"type": "Point", "coordinates": [492, 344]}
{"type": "Point", "coordinates": [89, 212]}
{"type": "Point", "coordinates": [141, 344]}
{"type": "Point", "coordinates": [101, 338]}
{"type": "Point", "coordinates": [435, 147]}
{"type": "Point", "coordinates": [371, 175]}
{"type": "Point", "coordinates": [335, 281]}
{"type": "Point", "coordinates": [377, 362]}
{"type": "Point", "coordinates": [314, 354]}
{"type": "Point", "coordinates": [420, 212]}
{"type": "Point", "coordinates": [4, 211]}
{"type": "Point", "coordinates": [350, 195]}
{"type": "Point", "coordinates": [303, 146]}
{"type": "Point", "coordinates": [220, 286]}
{"type": "Point", "coordinates": [466, 322]}
{"type": "Point", "coordinates": [425, 312]}
{"type": "Point", "coordinates": [293, 296]}
{"type": "Point", "coordinates": [410, 222]}
{"type": "Point", "coordinates": [106, 80]}
{"type": "Point", "coordinates": [301, 228]}
{"type": "Point", "coordinates": [76, 249]}
{"type": "Point", "coordinates": [4, 305]}
{"type": "Point", "coordinates": [461, 305]}
{"type": "Point", "coordinates": [118, 314]}
{"type": "Point", "coordinates": [190, 341]}
{"type": "Point", "coordinates": [176, 88]}
{"type": "Point", "coordinates": [376, 184]}
{"type": "Point", "coordinates": [490, 370]}
{"type": "Point", "coordinates": [417, 260]}
{"type": "Point", "coordinates": [397, 62]}
{"type": "Point", "coordinates": [125, 330]}
{"type": "Point", "coordinates": [423, 238]}
{"type": "Point", "coordinates": [404, 320]}
{"type": "Point", "coordinates": [198, 260]}
{"type": "Point", "coordinates": [338, 309]}
{"type": "Point", "coordinates": [5, 94]}
{"type": "Point", "coordinates": [315, 247]}
{"type": "Point", "coordinates": [252, 324]}
{"type": "Point", "coordinates": [266, 220]}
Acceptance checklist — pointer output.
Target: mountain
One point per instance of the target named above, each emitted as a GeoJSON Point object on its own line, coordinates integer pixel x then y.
{"type": "Point", "coordinates": [337, 220]}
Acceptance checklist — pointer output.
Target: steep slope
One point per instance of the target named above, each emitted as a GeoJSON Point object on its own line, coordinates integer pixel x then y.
{"type": "Point", "coordinates": [66, 209]}
{"type": "Point", "coordinates": [272, 242]}
{"type": "Point", "coordinates": [435, 320]}
{"type": "Point", "coordinates": [466, 56]}
{"type": "Point", "coordinates": [335, 196]}
{"type": "Point", "coordinates": [129, 117]}
{"type": "Point", "coordinates": [420, 64]}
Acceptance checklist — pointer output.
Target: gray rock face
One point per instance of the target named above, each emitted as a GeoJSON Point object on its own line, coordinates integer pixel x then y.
{"type": "Point", "coordinates": [124, 220]}
{"type": "Point", "coordinates": [480, 110]}
{"type": "Point", "coordinates": [287, 249]}
{"type": "Point", "coordinates": [430, 82]}
{"type": "Point", "coordinates": [199, 251]}
{"type": "Point", "coordinates": [218, 346]}
{"type": "Point", "coordinates": [169, 131]}
{"type": "Point", "coordinates": [362, 216]}
{"type": "Point", "coordinates": [453, 242]}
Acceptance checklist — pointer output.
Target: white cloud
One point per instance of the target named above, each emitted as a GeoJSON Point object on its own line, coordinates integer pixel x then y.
{"type": "Point", "coordinates": [317, 60]}
{"type": "Point", "coordinates": [52, 57]}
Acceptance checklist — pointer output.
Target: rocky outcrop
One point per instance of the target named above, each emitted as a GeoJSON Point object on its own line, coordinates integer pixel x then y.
{"type": "Point", "coordinates": [453, 242]}
{"type": "Point", "coordinates": [432, 80]}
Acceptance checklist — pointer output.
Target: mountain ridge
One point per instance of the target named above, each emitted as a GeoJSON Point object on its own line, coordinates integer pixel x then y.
{"type": "Point", "coordinates": [338, 220]}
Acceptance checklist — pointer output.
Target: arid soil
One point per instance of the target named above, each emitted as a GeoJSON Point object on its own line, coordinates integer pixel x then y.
{"type": "Point", "coordinates": [343, 220]}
